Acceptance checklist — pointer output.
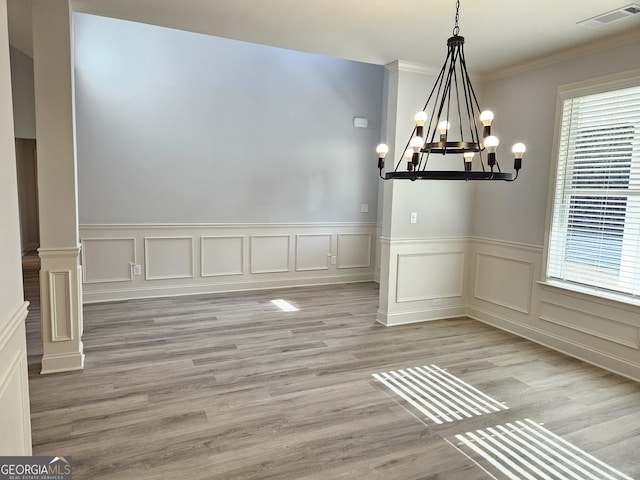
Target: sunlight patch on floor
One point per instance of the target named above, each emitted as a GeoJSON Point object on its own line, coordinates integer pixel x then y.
{"type": "Point", "coordinates": [438, 395]}
{"type": "Point", "coordinates": [284, 305]}
{"type": "Point", "coordinates": [525, 449]}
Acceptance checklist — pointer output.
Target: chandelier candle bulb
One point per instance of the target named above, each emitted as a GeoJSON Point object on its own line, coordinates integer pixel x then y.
{"type": "Point", "coordinates": [382, 151]}
{"type": "Point", "coordinates": [452, 99]}
{"type": "Point", "coordinates": [468, 158]}
{"type": "Point", "coordinates": [416, 145]}
{"type": "Point", "coordinates": [443, 127]}
{"type": "Point", "coordinates": [491, 143]}
{"type": "Point", "coordinates": [518, 151]}
{"type": "Point", "coordinates": [420, 119]}
{"type": "Point", "coordinates": [486, 118]}
{"type": "Point", "coordinates": [408, 154]}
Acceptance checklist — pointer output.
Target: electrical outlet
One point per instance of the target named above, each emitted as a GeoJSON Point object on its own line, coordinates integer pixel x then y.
{"type": "Point", "coordinates": [137, 269]}
{"type": "Point", "coordinates": [334, 260]}
{"type": "Point", "coordinates": [414, 217]}
{"type": "Point", "coordinates": [436, 302]}
{"type": "Point", "coordinates": [364, 208]}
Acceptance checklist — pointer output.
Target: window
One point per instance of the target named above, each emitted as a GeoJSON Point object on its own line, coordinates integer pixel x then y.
{"type": "Point", "coordinates": [594, 238]}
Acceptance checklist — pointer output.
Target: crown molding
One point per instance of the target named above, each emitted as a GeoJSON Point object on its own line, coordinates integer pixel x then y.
{"type": "Point", "coordinates": [564, 55]}
{"type": "Point", "coordinates": [411, 67]}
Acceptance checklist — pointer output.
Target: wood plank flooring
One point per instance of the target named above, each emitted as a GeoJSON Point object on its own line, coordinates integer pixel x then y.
{"type": "Point", "coordinates": [229, 387]}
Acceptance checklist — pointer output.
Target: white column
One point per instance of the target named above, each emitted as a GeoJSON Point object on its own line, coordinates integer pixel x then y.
{"type": "Point", "coordinates": [60, 274]}
{"type": "Point", "coordinates": [442, 208]}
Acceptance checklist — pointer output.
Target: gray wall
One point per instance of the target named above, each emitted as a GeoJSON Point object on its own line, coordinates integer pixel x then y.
{"type": "Point", "coordinates": [174, 126]}
{"type": "Point", "coordinates": [24, 103]}
{"type": "Point", "coordinates": [525, 106]}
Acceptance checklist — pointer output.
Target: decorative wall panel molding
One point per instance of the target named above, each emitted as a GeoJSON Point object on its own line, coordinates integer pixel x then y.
{"type": "Point", "coordinates": [596, 330]}
{"type": "Point", "coordinates": [313, 251]}
{"type": "Point", "coordinates": [180, 259]}
{"type": "Point", "coordinates": [220, 256]}
{"type": "Point", "coordinates": [354, 250]}
{"type": "Point", "coordinates": [108, 259]}
{"type": "Point", "coordinates": [504, 281]}
{"type": "Point", "coordinates": [60, 305]}
{"type": "Point", "coordinates": [168, 258]}
{"type": "Point", "coordinates": [15, 322]}
{"type": "Point", "coordinates": [14, 398]}
{"type": "Point", "coordinates": [270, 253]}
{"type": "Point", "coordinates": [425, 276]}
{"type": "Point", "coordinates": [427, 279]}
{"type": "Point", "coordinates": [590, 324]}
{"type": "Point", "coordinates": [15, 436]}
{"type": "Point", "coordinates": [377, 254]}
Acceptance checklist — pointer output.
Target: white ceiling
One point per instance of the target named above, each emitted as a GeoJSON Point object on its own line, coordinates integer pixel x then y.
{"type": "Point", "coordinates": [500, 34]}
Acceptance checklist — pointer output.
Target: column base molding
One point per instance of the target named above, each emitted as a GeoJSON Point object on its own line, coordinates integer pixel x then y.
{"type": "Point", "coordinates": [61, 309]}
{"type": "Point", "coordinates": [63, 362]}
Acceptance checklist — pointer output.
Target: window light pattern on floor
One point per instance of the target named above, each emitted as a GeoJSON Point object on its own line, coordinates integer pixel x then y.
{"type": "Point", "coordinates": [438, 395]}
{"type": "Point", "coordinates": [526, 450]}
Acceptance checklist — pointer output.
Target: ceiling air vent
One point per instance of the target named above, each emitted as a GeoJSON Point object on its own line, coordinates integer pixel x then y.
{"type": "Point", "coordinates": [612, 16]}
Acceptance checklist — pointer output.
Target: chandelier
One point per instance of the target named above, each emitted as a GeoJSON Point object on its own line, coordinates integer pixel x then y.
{"type": "Point", "coordinates": [452, 129]}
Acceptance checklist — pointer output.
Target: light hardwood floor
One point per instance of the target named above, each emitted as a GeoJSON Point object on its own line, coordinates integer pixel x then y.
{"type": "Point", "coordinates": [230, 387]}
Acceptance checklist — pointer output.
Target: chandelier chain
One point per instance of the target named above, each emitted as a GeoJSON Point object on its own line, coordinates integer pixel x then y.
{"type": "Point", "coordinates": [456, 28]}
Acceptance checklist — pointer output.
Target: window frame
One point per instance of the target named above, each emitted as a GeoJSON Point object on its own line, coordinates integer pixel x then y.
{"type": "Point", "coordinates": [592, 86]}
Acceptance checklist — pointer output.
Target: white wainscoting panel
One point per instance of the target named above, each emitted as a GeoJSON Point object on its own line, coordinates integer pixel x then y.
{"type": "Point", "coordinates": [509, 294]}
{"type": "Point", "coordinates": [378, 254]}
{"type": "Point", "coordinates": [108, 259]}
{"type": "Point", "coordinates": [221, 256]}
{"type": "Point", "coordinates": [168, 257]}
{"type": "Point", "coordinates": [182, 259]}
{"type": "Point", "coordinates": [60, 305]}
{"type": "Point", "coordinates": [422, 279]}
{"type": "Point", "coordinates": [270, 253]}
{"type": "Point", "coordinates": [12, 397]}
{"type": "Point", "coordinates": [589, 323]}
{"type": "Point", "coordinates": [313, 251]}
{"type": "Point", "coordinates": [425, 276]}
{"type": "Point", "coordinates": [504, 281]}
{"type": "Point", "coordinates": [15, 434]}
{"type": "Point", "coordinates": [354, 250]}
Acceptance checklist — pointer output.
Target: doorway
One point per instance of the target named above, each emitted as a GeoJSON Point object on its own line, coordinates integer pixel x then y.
{"type": "Point", "coordinates": [27, 173]}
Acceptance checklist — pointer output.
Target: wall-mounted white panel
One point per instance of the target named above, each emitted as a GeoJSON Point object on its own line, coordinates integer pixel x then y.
{"type": "Point", "coordinates": [15, 431]}
{"type": "Point", "coordinates": [60, 305]}
{"type": "Point", "coordinates": [504, 281]}
{"type": "Point", "coordinates": [424, 276]}
{"type": "Point", "coordinates": [312, 251]}
{"type": "Point", "coordinates": [226, 257]}
{"type": "Point", "coordinates": [168, 257]}
{"type": "Point", "coordinates": [354, 250]}
{"type": "Point", "coordinates": [107, 259]}
{"type": "Point", "coordinates": [222, 255]}
{"type": "Point", "coordinates": [14, 398]}
{"type": "Point", "coordinates": [586, 322]}
{"type": "Point", "coordinates": [270, 253]}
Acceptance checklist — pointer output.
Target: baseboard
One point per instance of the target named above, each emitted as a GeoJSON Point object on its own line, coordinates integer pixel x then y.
{"type": "Point", "coordinates": [66, 362]}
{"type": "Point", "coordinates": [598, 358]}
{"type": "Point", "coordinates": [115, 295]}
{"type": "Point", "coordinates": [417, 316]}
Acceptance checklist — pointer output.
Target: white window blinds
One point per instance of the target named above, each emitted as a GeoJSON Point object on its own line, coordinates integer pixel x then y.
{"type": "Point", "coordinates": [595, 226]}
